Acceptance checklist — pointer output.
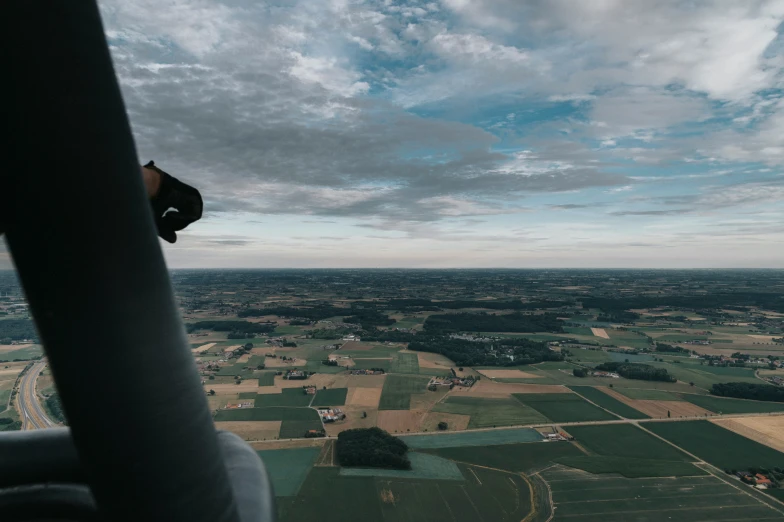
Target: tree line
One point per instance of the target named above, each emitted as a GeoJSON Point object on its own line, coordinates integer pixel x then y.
{"type": "Point", "coordinates": [483, 322]}
{"type": "Point", "coordinates": [747, 390]}
{"type": "Point", "coordinates": [231, 326]}
{"type": "Point", "coordinates": [507, 352]}
{"type": "Point", "coordinates": [639, 371]}
{"type": "Point", "coordinates": [17, 330]}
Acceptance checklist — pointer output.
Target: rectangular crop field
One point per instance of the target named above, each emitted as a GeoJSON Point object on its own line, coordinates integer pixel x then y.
{"type": "Point", "coordinates": [516, 458]}
{"type": "Point", "coordinates": [396, 394]}
{"type": "Point", "coordinates": [287, 397]}
{"type": "Point", "coordinates": [331, 397]}
{"type": "Point", "coordinates": [563, 407]}
{"type": "Point", "coordinates": [716, 445]}
{"type": "Point", "coordinates": [266, 378]}
{"type": "Point", "coordinates": [648, 395]}
{"type": "Point", "coordinates": [609, 403]}
{"type": "Point", "coordinates": [624, 440]}
{"type": "Point", "coordinates": [288, 468]}
{"type": "Point", "coordinates": [489, 413]}
{"type": "Point", "coordinates": [295, 429]}
{"type": "Point", "coordinates": [472, 438]}
{"type": "Point", "coordinates": [405, 363]}
{"type": "Point", "coordinates": [630, 467]}
{"type": "Point", "coordinates": [583, 497]}
{"type": "Point", "coordinates": [367, 364]}
{"type": "Point", "coordinates": [267, 414]}
{"type": "Point", "coordinates": [727, 405]}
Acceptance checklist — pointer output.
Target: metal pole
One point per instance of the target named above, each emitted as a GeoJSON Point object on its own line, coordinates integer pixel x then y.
{"type": "Point", "coordinates": [80, 232]}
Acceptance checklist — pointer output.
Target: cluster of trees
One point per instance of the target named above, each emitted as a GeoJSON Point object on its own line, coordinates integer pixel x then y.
{"type": "Point", "coordinates": [483, 322]}
{"type": "Point", "coordinates": [16, 330]}
{"type": "Point", "coordinates": [639, 371]}
{"type": "Point", "coordinates": [371, 447]}
{"type": "Point", "coordinates": [392, 336]}
{"type": "Point", "coordinates": [369, 319]}
{"type": "Point", "coordinates": [8, 424]}
{"type": "Point", "coordinates": [55, 407]}
{"type": "Point", "coordinates": [315, 313]}
{"type": "Point", "coordinates": [231, 326]}
{"type": "Point", "coordinates": [662, 347]}
{"type": "Point", "coordinates": [766, 300]}
{"type": "Point", "coordinates": [329, 362]}
{"type": "Point", "coordinates": [747, 390]}
{"type": "Point", "coordinates": [579, 372]}
{"type": "Point", "coordinates": [618, 316]}
{"type": "Point", "coordinates": [472, 353]}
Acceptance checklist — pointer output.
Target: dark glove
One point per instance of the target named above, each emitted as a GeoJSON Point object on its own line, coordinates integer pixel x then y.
{"type": "Point", "coordinates": [183, 199]}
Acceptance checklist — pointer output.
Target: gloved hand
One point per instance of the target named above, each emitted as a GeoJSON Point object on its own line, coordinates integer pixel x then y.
{"type": "Point", "coordinates": [173, 194]}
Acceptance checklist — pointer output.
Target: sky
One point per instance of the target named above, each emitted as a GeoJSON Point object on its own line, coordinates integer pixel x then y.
{"type": "Point", "coordinates": [463, 133]}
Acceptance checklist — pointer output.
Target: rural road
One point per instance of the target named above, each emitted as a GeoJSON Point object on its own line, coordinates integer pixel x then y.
{"type": "Point", "coordinates": [30, 410]}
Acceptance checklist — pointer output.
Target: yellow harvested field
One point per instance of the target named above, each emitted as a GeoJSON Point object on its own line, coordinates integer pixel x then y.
{"type": "Point", "coordinates": [509, 374]}
{"type": "Point", "coordinates": [231, 348]}
{"type": "Point", "coordinates": [600, 332]}
{"type": "Point", "coordinates": [367, 397]}
{"type": "Point", "coordinates": [456, 422]}
{"type": "Point", "coordinates": [287, 444]}
{"type": "Point", "coordinates": [203, 348]}
{"type": "Point", "coordinates": [248, 385]}
{"type": "Point", "coordinates": [10, 373]}
{"type": "Point", "coordinates": [491, 389]}
{"type": "Point", "coordinates": [318, 380]}
{"type": "Point", "coordinates": [365, 381]}
{"type": "Point", "coordinates": [13, 347]}
{"type": "Point", "coordinates": [659, 409]}
{"type": "Point", "coordinates": [767, 429]}
{"type": "Point", "coordinates": [400, 421]}
{"type": "Point", "coordinates": [243, 358]}
{"type": "Point", "coordinates": [766, 338]}
{"type": "Point", "coordinates": [433, 360]}
{"type": "Point", "coordinates": [251, 430]}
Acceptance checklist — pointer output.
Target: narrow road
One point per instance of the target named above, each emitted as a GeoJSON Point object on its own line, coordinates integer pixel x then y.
{"type": "Point", "coordinates": [33, 415]}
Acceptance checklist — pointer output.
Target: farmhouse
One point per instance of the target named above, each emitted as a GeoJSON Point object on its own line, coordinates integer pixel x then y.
{"type": "Point", "coordinates": [331, 414]}
{"type": "Point", "coordinates": [377, 371]}
{"type": "Point", "coordinates": [611, 375]}
{"type": "Point", "coordinates": [295, 375]}
{"type": "Point", "coordinates": [309, 390]}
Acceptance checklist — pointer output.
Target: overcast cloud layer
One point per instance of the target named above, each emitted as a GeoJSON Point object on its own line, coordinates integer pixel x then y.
{"type": "Point", "coordinates": [463, 133]}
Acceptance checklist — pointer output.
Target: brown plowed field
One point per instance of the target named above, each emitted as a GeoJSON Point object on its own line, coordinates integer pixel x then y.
{"type": "Point", "coordinates": [247, 385]}
{"type": "Point", "coordinates": [509, 374]}
{"type": "Point", "coordinates": [367, 397]}
{"type": "Point", "coordinates": [768, 430]}
{"type": "Point", "coordinates": [399, 421]}
{"type": "Point", "coordinates": [251, 430]}
{"type": "Point", "coordinates": [658, 409]}
{"type": "Point", "coordinates": [365, 381]}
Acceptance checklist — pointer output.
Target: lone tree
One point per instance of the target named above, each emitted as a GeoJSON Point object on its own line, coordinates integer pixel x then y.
{"type": "Point", "coordinates": [443, 426]}
{"type": "Point", "coordinates": [578, 372]}
{"type": "Point", "coordinates": [371, 447]}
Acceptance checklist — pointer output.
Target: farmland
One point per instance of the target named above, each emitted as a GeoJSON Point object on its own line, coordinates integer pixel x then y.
{"type": "Point", "coordinates": [563, 407]}
{"type": "Point", "coordinates": [607, 402]}
{"type": "Point", "coordinates": [330, 397]}
{"type": "Point", "coordinates": [583, 497]}
{"type": "Point", "coordinates": [711, 442]}
{"type": "Point", "coordinates": [725, 405]}
{"type": "Point", "coordinates": [487, 413]}
{"type": "Point", "coordinates": [396, 394]}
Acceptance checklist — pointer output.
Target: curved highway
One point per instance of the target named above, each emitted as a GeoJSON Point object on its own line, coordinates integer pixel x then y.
{"type": "Point", "coordinates": [30, 410]}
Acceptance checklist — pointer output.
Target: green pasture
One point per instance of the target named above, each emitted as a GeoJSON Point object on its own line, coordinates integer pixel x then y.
{"type": "Point", "coordinates": [405, 363]}
{"type": "Point", "coordinates": [489, 413]}
{"type": "Point", "coordinates": [563, 407]}
{"type": "Point", "coordinates": [288, 468]}
{"type": "Point", "coordinates": [423, 466]}
{"type": "Point", "coordinates": [295, 429]}
{"type": "Point", "coordinates": [266, 378]}
{"type": "Point", "coordinates": [727, 405]}
{"type": "Point", "coordinates": [716, 445]}
{"type": "Point", "coordinates": [625, 440]}
{"type": "Point", "coordinates": [631, 467]}
{"type": "Point", "coordinates": [603, 400]}
{"type": "Point", "coordinates": [366, 364]}
{"type": "Point", "coordinates": [288, 397]}
{"type": "Point", "coordinates": [330, 397]}
{"type": "Point", "coordinates": [22, 354]}
{"type": "Point", "coordinates": [516, 458]}
{"type": "Point", "coordinates": [472, 438]}
{"type": "Point", "coordinates": [396, 394]}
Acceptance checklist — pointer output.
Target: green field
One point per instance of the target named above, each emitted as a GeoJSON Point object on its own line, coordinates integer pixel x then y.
{"type": "Point", "coordinates": [366, 364]}
{"type": "Point", "coordinates": [590, 356]}
{"type": "Point", "coordinates": [609, 403]}
{"type": "Point", "coordinates": [288, 468]}
{"type": "Point", "coordinates": [516, 458]}
{"type": "Point", "coordinates": [396, 394]}
{"type": "Point", "coordinates": [631, 467]}
{"type": "Point", "coordinates": [716, 445]}
{"type": "Point", "coordinates": [289, 397]}
{"type": "Point", "coordinates": [706, 376]}
{"type": "Point", "coordinates": [405, 363]}
{"type": "Point", "coordinates": [563, 407]}
{"type": "Point", "coordinates": [266, 378]}
{"type": "Point", "coordinates": [331, 397]}
{"type": "Point", "coordinates": [624, 440]}
{"type": "Point", "coordinates": [580, 497]}
{"type": "Point", "coordinates": [648, 395]}
{"type": "Point", "coordinates": [630, 357]}
{"type": "Point", "coordinates": [472, 438]}
{"type": "Point", "coordinates": [727, 405]}
{"type": "Point", "coordinates": [423, 466]}
{"type": "Point", "coordinates": [267, 414]}
{"type": "Point", "coordinates": [247, 395]}
{"type": "Point", "coordinates": [295, 429]}
{"type": "Point", "coordinates": [22, 354]}
{"type": "Point", "coordinates": [238, 369]}
{"type": "Point", "coordinates": [489, 413]}
{"type": "Point", "coordinates": [484, 496]}
{"type": "Point", "coordinates": [316, 366]}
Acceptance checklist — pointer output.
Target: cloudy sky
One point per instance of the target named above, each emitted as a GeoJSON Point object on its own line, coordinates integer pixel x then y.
{"type": "Point", "coordinates": [463, 133]}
